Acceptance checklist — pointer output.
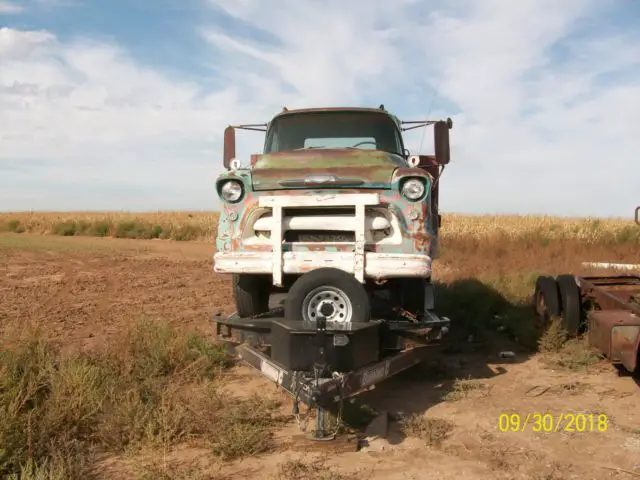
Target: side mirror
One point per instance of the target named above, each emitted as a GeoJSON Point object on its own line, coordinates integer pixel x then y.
{"type": "Point", "coordinates": [638, 215]}
{"type": "Point", "coordinates": [229, 152]}
{"type": "Point", "coordinates": [441, 141]}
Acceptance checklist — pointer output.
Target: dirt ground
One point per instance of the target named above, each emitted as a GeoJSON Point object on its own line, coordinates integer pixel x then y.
{"type": "Point", "coordinates": [83, 290]}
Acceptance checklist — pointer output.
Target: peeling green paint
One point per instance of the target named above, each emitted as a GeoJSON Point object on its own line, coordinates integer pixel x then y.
{"type": "Point", "coordinates": [373, 168]}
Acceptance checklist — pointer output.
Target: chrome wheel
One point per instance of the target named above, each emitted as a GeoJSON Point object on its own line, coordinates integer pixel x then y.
{"type": "Point", "coordinates": [329, 302]}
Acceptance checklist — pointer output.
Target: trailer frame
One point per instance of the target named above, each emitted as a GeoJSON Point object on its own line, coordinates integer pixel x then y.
{"type": "Point", "coordinates": [408, 344]}
{"type": "Point", "coordinates": [607, 307]}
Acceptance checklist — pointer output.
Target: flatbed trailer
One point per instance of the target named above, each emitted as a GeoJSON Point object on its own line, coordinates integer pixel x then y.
{"type": "Point", "coordinates": [607, 308]}
{"type": "Point", "coordinates": [310, 368]}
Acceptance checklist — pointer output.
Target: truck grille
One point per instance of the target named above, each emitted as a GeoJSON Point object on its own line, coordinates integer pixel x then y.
{"type": "Point", "coordinates": [305, 236]}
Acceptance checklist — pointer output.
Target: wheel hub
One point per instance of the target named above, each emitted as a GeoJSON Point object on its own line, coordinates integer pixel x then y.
{"type": "Point", "coordinates": [329, 302]}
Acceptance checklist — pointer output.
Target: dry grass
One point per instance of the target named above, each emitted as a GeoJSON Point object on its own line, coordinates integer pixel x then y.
{"type": "Point", "coordinates": [575, 355]}
{"type": "Point", "coordinates": [465, 388]}
{"type": "Point", "coordinates": [299, 470]}
{"type": "Point", "coordinates": [155, 387]}
{"type": "Point", "coordinates": [562, 352]}
{"type": "Point", "coordinates": [554, 337]}
{"type": "Point", "coordinates": [203, 226]}
{"type": "Point", "coordinates": [433, 431]}
{"type": "Point", "coordinates": [164, 225]}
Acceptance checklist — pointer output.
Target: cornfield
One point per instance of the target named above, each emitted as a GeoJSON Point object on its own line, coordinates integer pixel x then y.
{"type": "Point", "coordinates": [203, 225]}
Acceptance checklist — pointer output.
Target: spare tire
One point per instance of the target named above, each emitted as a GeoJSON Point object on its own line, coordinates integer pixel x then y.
{"type": "Point", "coordinates": [329, 292]}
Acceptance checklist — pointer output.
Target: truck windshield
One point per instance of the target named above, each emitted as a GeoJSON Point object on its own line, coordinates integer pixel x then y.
{"type": "Point", "coordinates": [363, 130]}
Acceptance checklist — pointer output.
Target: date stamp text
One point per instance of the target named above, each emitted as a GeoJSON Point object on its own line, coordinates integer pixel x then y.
{"type": "Point", "coordinates": [550, 422]}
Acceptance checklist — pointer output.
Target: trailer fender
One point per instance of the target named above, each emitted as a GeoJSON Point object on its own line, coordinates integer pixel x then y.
{"type": "Point", "coordinates": [625, 340]}
{"type": "Point", "coordinates": [616, 333]}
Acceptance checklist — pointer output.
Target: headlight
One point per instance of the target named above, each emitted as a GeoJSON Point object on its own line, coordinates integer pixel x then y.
{"type": "Point", "coordinates": [231, 191]}
{"type": "Point", "coordinates": [413, 189]}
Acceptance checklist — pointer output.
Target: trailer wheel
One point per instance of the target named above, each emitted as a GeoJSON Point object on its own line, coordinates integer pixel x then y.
{"type": "Point", "coordinates": [570, 304]}
{"type": "Point", "coordinates": [329, 292]}
{"type": "Point", "coordinates": [546, 299]}
{"type": "Point", "coordinates": [251, 294]}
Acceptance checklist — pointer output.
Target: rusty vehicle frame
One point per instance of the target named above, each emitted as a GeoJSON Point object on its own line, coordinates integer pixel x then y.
{"type": "Point", "coordinates": [606, 308]}
{"type": "Point", "coordinates": [613, 317]}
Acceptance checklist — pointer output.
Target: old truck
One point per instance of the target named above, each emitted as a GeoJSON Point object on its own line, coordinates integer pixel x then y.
{"type": "Point", "coordinates": [333, 209]}
{"type": "Point", "coordinates": [335, 213]}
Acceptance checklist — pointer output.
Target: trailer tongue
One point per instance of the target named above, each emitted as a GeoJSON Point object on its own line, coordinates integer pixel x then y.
{"type": "Point", "coordinates": [322, 363]}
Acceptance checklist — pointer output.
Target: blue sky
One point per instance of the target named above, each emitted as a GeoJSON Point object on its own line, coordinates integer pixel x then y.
{"type": "Point", "coordinates": [122, 104]}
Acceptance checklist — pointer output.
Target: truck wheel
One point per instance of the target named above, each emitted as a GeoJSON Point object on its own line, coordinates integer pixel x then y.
{"type": "Point", "coordinates": [546, 299]}
{"type": "Point", "coordinates": [329, 292]}
{"type": "Point", "coordinates": [251, 294]}
{"type": "Point", "coordinates": [571, 306]}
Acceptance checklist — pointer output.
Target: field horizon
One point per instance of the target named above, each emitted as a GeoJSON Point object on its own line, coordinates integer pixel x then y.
{"type": "Point", "coordinates": [143, 212]}
{"type": "Point", "coordinates": [202, 225]}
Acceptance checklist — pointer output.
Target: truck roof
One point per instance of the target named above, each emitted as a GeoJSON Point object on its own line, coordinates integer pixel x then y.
{"type": "Point", "coordinates": [338, 109]}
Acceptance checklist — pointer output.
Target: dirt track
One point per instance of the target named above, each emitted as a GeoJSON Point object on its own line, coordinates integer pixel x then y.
{"type": "Point", "coordinates": [82, 290]}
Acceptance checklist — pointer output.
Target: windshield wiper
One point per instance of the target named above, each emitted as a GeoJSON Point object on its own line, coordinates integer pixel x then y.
{"type": "Point", "coordinates": [309, 148]}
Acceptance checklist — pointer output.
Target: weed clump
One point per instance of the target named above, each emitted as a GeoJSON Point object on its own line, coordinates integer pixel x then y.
{"type": "Point", "coordinates": [298, 469]}
{"type": "Point", "coordinates": [14, 226]}
{"type": "Point", "coordinates": [137, 229]}
{"type": "Point", "coordinates": [433, 431]}
{"type": "Point", "coordinates": [554, 337]}
{"type": "Point", "coordinates": [464, 388]}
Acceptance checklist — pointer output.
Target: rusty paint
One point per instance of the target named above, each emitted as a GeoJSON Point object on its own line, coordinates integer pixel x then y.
{"type": "Point", "coordinates": [229, 146]}
{"type": "Point", "coordinates": [614, 318]}
{"type": "Point", "coordinates": [616, 333]}
{"type": "Point", "coordinates": [612, 293]}
{"type": "Point", "coordinates": [374, 168]}
{"type": "Point", "coordinates": [625, 339]}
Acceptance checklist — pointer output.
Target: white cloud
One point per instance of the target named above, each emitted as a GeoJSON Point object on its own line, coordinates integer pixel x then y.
{"type": "Point", "coordinates": [540, 129]}
{"type": "Point", "coordinates": [10, 8]}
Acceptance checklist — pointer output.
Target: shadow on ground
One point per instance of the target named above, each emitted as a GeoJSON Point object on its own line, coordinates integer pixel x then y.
{"type": "Point", "coordinates": [484, 325]}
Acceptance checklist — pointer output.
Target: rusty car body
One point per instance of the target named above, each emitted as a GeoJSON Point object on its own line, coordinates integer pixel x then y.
{"type": "Point", "coordinates": [333, 187]}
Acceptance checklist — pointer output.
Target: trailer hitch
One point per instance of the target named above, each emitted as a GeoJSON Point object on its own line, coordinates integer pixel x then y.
{"type": "Point", "coordinates": [312, 386]}
{"type": "Point", "coordinates": [319, 368]}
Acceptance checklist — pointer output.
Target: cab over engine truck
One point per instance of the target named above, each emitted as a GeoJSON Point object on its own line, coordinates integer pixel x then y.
{"type": "Point", "coordinates": [334, 209]}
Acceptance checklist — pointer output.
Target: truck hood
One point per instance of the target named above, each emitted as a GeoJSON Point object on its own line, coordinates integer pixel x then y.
{"type": "Point", "coordinates": [335, 168]}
